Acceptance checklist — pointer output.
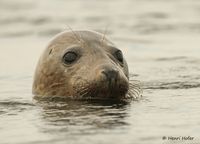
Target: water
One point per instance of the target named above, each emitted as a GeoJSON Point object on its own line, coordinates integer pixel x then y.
{"type": "Point", "coordinates": [160, 40]}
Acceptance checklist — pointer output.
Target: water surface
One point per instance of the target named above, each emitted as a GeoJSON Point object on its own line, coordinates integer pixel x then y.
{"type": "Point", "coordinates": [160, 40]}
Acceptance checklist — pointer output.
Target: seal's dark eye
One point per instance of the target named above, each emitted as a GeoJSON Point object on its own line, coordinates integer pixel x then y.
{"type": "Point", "coordinates": [69, 57]}
{"type": "Point", "coordinates": [118, 55]}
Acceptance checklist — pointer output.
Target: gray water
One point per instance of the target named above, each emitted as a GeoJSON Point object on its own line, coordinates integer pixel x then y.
{"type": "Point", "coordinates": [160, 40]}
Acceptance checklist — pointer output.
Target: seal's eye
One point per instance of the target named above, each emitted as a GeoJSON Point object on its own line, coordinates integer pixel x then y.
{"type": "Point", "coordinates": [118, 55]}
{"type": "Point", "coordinates": [69, 57]}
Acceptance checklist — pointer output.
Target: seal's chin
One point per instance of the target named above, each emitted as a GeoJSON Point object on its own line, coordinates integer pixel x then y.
{"type": "Point", "coordinates": [113, 92]}
{"type": "Point", "coordinates": [103, 92]}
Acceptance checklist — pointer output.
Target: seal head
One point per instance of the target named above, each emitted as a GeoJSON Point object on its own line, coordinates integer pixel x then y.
{"type": "Point", "coordinates": [81, 65]}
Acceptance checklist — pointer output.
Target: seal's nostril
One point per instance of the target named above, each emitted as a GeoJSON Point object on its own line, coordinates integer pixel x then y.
{"type": "Point", "coordinates": [110, 74]}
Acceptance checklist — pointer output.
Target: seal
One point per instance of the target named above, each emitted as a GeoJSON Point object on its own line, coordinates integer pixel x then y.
{"type": "Point", "coordinates": [82, 65]}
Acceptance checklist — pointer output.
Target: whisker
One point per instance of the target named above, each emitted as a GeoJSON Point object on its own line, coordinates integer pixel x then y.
{"type": "Point", "coordinates": [56, 84]}
{"type": "Point", "coordinates": [83, 91]}
{"type": "Point", "coordinates": [75, 34]}
{"type": "Point", "coordinates": [135, 90]}
{"type": "Point", "coordinates": [104, 34]}
{"type": "Point", "coordinates": [84, 94]}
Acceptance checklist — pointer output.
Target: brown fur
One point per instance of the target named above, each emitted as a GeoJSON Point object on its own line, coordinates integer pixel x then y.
{"type": "Point", "coordinates": [83, 79]}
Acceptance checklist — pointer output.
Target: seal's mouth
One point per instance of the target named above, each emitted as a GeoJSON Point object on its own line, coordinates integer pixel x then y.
{"type": "Point", "coordinates": [113, 91]}
{"type": "Point", "coordinates": [103, 91]}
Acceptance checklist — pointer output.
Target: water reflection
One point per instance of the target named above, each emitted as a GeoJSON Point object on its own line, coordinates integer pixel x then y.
{"type": "Point", "coordinates": [82, 117]}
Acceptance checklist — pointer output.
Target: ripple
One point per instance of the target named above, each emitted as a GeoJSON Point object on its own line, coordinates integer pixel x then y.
{"type": "Point", "coordinates": [15, 103]}
{"type": "Point", "coordinates": [14, 20]}
{"type": "Point", "coordinates": [39, 20]}
{"type": "Point", "coordinates": [155, 15]}
{"type": "Point", "coordinates": [96, 19]}
{"type": "Point", "coordinates": [49, 31]}
{"type": "Point", "coordinates": [171, 85]}
{"type": "Point", "coordinates": [172, 58]}
{"type": "Point", "coordinates": [16, 34]}
{"type": "Point", "coordinates": [13, 5]}
{"type": "Point", "coordinates": [11, 107]}
{"type": "Point", "coordinates": [150, 27]}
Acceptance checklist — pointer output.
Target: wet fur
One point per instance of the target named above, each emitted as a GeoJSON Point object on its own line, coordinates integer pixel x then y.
{"type": "Point", "coordinates": [83, 88]}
